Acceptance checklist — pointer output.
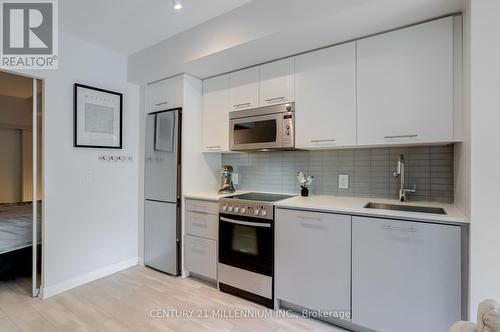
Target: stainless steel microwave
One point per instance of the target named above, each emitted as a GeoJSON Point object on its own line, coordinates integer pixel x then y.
{"type": "Point", "coordinates": [270, 127]}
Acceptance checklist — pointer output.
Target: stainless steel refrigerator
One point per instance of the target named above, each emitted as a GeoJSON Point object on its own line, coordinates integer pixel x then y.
{"type": "Point", "coordinates": [162, 191]}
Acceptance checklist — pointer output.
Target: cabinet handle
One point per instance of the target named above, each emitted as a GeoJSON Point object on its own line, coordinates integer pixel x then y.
{"type": "Point", "coordinates": [402, 136]}
{"type": "Point", "coordinates": [312, 226]}
{"type": "Point", "coordinates": [246, 223]}
{"type": "Point", "coordinates": [198, 251]}
{"type": "Point", "coordinates": [162, 103]}
{"type": "Point", "coordinates": [398, 228]}
{"type": "Point", "coordinates": [199, 220]}
{"type": "Point", "coordinates": [199, 208]}
{"type": "Point", "coordinates": [323, 140]}
{"type": "Point", "coordinates": [244, 104]}
{"type": "Point", "coordinates": [274, 99]}
{"type": "Point", "coordinates": [309, 218]}
{"type": "Point", "coordinates": [213, 147]}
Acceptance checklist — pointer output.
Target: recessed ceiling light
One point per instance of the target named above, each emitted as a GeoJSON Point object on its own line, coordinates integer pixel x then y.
{"type": "Point", "coordinates": [177, 4]}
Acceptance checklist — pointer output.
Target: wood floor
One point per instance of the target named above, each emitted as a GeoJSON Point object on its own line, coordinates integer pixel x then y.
{"type": "Point", "coordinates": [124, 302]}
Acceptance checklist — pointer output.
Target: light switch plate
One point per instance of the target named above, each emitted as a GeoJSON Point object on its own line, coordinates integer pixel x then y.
{"type": "Point", "coordinates": [343, 181]}
{"type": "Point", "coordinates": [87, 176]}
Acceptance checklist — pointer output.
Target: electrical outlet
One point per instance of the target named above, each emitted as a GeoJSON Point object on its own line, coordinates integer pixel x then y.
{"type": "Point", "coordinates": [235, 178]}
{"type": "Point", "coordinates": [343, 181]}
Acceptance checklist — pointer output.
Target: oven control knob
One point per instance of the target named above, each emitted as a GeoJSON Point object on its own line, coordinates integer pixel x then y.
{"type": "Point", "coordinates": [230, 208]}
{"type": "Point", "coordinates": [243, 210]}
{"type": "Point", "coordinates": [236, 209]}
{"type": "Point", "coordinates": [263, 212]}
{"type": "Point", "coordinates": [256, 212]}
{"type": "Point", "coordinates": [224, 208]}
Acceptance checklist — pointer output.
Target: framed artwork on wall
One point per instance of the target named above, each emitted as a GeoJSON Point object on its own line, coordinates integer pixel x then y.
{"type": "Point", "coordinates": [98, 117]}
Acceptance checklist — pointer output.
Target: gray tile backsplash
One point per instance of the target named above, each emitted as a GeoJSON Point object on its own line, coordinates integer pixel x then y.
{"type": "Point", "coordinates": [369, 170]}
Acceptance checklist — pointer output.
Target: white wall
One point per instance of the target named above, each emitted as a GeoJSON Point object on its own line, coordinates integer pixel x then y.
{"type": "Point", "coordinates": [485, 116]}
{"type": "Point", "coordinates": [462, 151]}
{"type": "Point", "coordinates": [252, 34]}
{"type": "Point", "coordinates": [91, 207]}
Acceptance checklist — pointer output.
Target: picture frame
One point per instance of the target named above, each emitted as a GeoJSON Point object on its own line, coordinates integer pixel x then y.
{"type": "Point", "coordinates": [98, 117]}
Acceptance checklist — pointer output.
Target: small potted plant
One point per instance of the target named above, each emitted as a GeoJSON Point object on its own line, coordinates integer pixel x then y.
{"type": "Point", "coordinates": [304, 182]}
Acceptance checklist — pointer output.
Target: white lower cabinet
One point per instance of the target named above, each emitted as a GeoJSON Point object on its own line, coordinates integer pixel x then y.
{"type": "Point", "coordinates": [202, 224]}
{"type": "Point", "coordinates": [201, 206]}
{"type": "Point", "coordinates": [406, 276]}
{"type": "Point", "coordinates": [200, 240]}
{"type": "Point", "coordinates": [201, 256]}
{"type": "Point", "coordinates": [313, 260]}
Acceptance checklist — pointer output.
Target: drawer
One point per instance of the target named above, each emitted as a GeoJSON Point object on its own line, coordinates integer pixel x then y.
{"type": "Point", "coordinates": [201, 224]}
{"type": "Point", "coordinates": [202, 206]}
{"type": "Point", "coordinates": [200, 256]}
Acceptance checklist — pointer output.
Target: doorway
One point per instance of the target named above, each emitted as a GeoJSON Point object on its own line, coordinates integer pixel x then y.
{"type": "Point", "coordinates": [21, 187]}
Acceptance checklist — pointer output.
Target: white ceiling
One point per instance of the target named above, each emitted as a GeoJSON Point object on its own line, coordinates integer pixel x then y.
{"type": "Point", "coordinates": [127, 26]}
{"type": "Point", "coordinates": [264, 30]}
{"type": "Point", "coordinates": [15, 85]}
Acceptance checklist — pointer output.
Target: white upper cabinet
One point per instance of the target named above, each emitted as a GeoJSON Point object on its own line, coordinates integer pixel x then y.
{"type": "Point", "coordinates": [277, 82]}
{"type": "Point", "coordinates": [164, 94]}
{"type": "Point", "coordinates": [216, 114]}
{"type": "Point", "coordinates": [268, 84]}
{"type": "Point", "coordinates": [405, 85]}
{"type": "Point", "coordinates": [393, 88]}
{"type": "Point", "coordinates": [325, 98]}
{"type": "Point", "coordinates": [244, 89]}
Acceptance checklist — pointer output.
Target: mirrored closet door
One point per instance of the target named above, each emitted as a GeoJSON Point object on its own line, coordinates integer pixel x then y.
{"type": "Point", "coordinates": [21, 187]}
{"type": "Point", "coordinates": [37, 186]}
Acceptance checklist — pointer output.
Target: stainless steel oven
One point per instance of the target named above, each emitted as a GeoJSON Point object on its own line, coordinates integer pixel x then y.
{"type": "Point", "coordinates": [246, 246]}
{"type": "Point", "coordinates": [271, 127]}
{"type": "Point", "coordinates": [246, 243]}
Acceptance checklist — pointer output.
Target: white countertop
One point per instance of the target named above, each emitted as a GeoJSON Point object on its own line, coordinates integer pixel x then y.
{"type": "Point", "coordinates": [211, 195]}
{"type": "Point", "coordinates": [354, 206]}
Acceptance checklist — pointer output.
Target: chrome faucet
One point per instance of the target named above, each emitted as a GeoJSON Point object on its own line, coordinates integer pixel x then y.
{"type": "Point", "coordinates": [401, 173]}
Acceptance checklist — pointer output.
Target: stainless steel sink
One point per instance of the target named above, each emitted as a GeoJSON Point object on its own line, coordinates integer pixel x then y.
{"type": "Point", "coordinates": [409, 208]}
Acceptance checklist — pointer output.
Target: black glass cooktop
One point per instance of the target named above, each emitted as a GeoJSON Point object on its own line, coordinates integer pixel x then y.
{"type": "Point", "coordinates": [261, 197]}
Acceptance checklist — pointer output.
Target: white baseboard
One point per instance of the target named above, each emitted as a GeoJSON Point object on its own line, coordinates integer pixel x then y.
{"type": "Point", "coordinates": [88, 277]}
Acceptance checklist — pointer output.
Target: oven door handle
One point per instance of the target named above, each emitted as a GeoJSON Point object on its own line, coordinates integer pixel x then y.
{"type": "Point", "coordinates": [245, 223]}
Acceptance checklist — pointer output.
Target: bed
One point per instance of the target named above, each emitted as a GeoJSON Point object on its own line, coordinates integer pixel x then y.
{"type": "Point", "coordinates": [16, 233]}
